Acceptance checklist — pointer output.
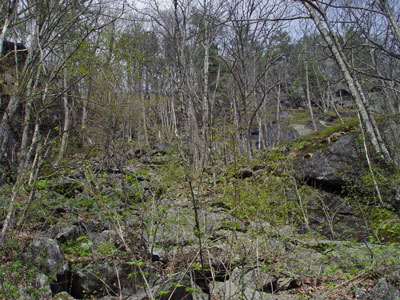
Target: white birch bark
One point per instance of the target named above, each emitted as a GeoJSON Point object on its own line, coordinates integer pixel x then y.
{"type": "Point", "coordinates": [360, 101]}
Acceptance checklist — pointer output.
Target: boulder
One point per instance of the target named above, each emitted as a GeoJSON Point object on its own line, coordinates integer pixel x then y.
{"type": "Point", "coordinates": [384, 291]}
{"type": "Point", "coordinates": [63, 296]}
{"type": "Point", "coordinates": [330, 168]}
{"type": "Point", "coordinates": [255, 279]}
{"type": "Point", "coordinates": [228, 290]}
{"type": "Point", "coordinates": [47, 256]}
{"type": "Point", "coordinates": [177, 287]}
{"type": "Point", "coordinates": [161, 148]}
{"type": "Point", "coordinates": [105, 241]}
{"type": "Point", "coordinates": [100, 278]}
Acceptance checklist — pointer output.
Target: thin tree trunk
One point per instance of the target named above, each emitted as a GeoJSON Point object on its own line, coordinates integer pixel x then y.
{"type": "Point", "coordinates": [143, 106]}
{"type": "Point", "coordinates": [84, 117]}
{"type": "Point", "coordinates": [67, 120]}
{"type": "Point", "coordinates": [309, 104]}
{"type": "Point", "coordinates": [278, 114]}
{"type": "Point", "coordinates": [384, 5]}
{"type": "Point", "coordinates": [334, 105]}
{"type": "Point", "coordinates": [11, 14]}
{"type": "Point", "coordinates": [368, 120]}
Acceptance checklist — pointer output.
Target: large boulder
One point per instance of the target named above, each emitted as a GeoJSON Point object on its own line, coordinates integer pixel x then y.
{"type": "Point", "coordinates": [333, 166]}
{"type": "Point", "coordinates": [384, 291]}
{"type": "Point", "coordinates": [100, 278]}
{"type": "Point", "coordinates": [46, 254]}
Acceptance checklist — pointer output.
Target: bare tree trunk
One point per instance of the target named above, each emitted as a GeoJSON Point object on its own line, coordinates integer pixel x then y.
{"type": "Point", "coordinates": [206, 122]}
{"type": "Point", "coordinates": [5, 123]}
{"type": "Point", "coordinates": [143, 107]}
{"type": "Point", "coordinates": [330, 96]}
{"type": "Point", "coordinates": [9, 19]}
{"type": "Point", "coordinates": [84, 117]}
{"type": "Point", "coordinates": [278, 114]}
{"type": "Point", "coordinates": [19, 184]}
{"type": "Point", "coordinates": [361, 103]}
{"type": "Point", "coordinates": [309, 104]}
{"type": "Point", "coordinates": [67, 120]}
{"type": "Point", "coordinates": [384, 5]}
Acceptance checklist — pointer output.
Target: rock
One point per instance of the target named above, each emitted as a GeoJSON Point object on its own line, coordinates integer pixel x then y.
{"type": "Point", "coordinates": [301, 129]}
{"type": "Point", "coordinates": [158, 254]}
{"type": "Point", "coordinates": [271, 134]}
{"type": "Point", "coordinates": [47, 256]}
{"type": "Point", "coordinates": [66, 186]}
{"type": "Point", "coordinates": [244, 173]}
{"type": "Point", "coordinates": [384, 291]}
{"type": "Point", "coordinates": [43, 284]}
{"type": "Point", "coordinates": [97, 278]}
{"type": "Point", "coordinates": [360, 293]}
{"type": "Point", "coordinates": [391, 134]}
{"type": "Point", "coordinates": [141, 295]}
{"type": "Point", "coordinates": [228, 290]}
{"type": "Point", "coordinates": [105, 241]}
{"type": "Point", "coordinates": [64, 232]}
{"type": "Point", "coordinates": [334, 166]}
{"type": "Point", "coordinates": [39, 289]}
{"type": "Point", "coordinates": [63, 296]}
{"type": "Point", "coordinates": [321, 297]}
{"type": "Point", "coordinates": [176, 287]}
{"type": "Point", "coordinates": [255, 279]}
{"type": "Point", "coordinates": [161, 148]}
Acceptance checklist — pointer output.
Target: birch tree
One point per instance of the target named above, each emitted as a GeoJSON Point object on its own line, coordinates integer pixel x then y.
{"type": "Point", "coordinates": [318, 15]}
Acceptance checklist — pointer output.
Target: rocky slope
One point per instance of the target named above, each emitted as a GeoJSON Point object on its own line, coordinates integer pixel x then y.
{"type": "Point", "coordinates": [296, 224]}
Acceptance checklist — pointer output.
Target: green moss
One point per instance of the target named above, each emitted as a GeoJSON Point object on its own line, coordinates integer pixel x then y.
{"type": "Point", "coordinates": [321, 138]}
{"type": "Point", "coordinates": [301, 116]}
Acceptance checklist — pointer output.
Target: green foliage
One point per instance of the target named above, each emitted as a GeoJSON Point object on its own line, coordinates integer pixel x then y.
{"type": "Point", "coordinates": [106, 248]}
{"type": "Point", "coordinates": [264, 200]}
{"type": "Point", "coordinates": [321, 138]}
{"type": "Point", "coordinates": [301, 116]}
{"type": "Point", "coordinates": [138, 262]}
{"type": "Point", "coordinates": [14, 271]}
{"type": "Point", "coordinates": [385, 225]}
{"type": "Point", "coordinates": [79, 247]}
{"type": "Point", "coordinates": [301, 145]}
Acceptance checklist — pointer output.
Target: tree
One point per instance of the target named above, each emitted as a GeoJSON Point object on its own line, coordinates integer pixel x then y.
{"type": "Point", "coordinates": [249, 56]}
{"type": "Point", "coordinates": [318, 13]}
{"type": "Point", "coordinates": [51, 21]}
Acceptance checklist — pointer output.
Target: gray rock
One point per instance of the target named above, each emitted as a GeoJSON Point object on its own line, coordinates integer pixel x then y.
{"type": "Point", "coordinates": [161, 148]}
{"type": "Point", "coordinates": [97, 278]}
{"type": "Point", "coordinates": [321, 297]}
{"type": "Point", "coordinates": [384, 291]}
{"type": "Point", "coordinates": [360, 293]}
{"type": "Point", "coordinates": [105, 241]}
{"type": "Point", "coordinates": [301, 262]}
{"type": "Point", "coordinates": [228, 290]}
{"type": "Point", "coordinates": [141, 295]}
{"type": "Point", "coordinates": [47, 255]}
{"type": "Point", "coordinates": [333, 166]}
{"type": "Point", "coordinates": [43, 284]}
{"type": "Point", "coordinates": [177, 287]}
{"type": "Point", "coordinates": [63, 296]}
{"type": "Point", "coordinates": [40, 288]}
{"type": "Point", "coordinates": [158, 254]}
{"type": "Point", "coordinates": [301, 129]}
{"type": "Point", "coordinates": [255, 279]}
{"type": "Point", "coordinates": [391, 134]}
{"type": "Point", "coordinates": [280, 297]}
{"type": "Point", "coordinates": [64, 232]}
